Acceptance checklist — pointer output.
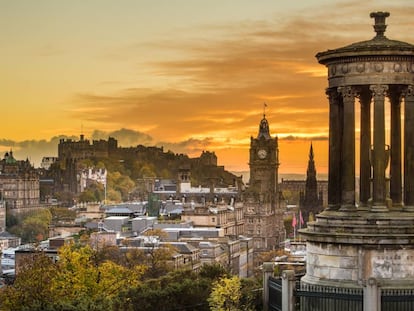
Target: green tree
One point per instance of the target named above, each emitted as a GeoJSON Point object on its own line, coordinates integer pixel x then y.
{"type": "Point", "coordinates": [121, 183]}
{"type": "Point", "coordinates": [76, 282]}
{"type": "Point", "coordinates": [213, 271]}
{"type": "Point", "coordinates": [82, 280]}
{"type": "Point", "coordinates": [32, 289]}
{"type": "Point", "coordinates": [32, 225]}
{"type": "Point", "coordinates": [87, 195]}
{"type": "Point", "coordinates": [177, 290]}
{"type": "Point", "coordinates": [226, 295]}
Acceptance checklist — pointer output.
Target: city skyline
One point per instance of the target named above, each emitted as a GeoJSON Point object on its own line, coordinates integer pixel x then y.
{"type": "Point", "coordinates": [186, 75]}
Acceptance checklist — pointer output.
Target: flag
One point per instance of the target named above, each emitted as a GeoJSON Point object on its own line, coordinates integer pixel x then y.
{"type": "Point", "coordinates": [265, 104]}
{"type": "Point", "coordinates": [294, 222]}
{"type": "Point", "coordinates": [301, 218]}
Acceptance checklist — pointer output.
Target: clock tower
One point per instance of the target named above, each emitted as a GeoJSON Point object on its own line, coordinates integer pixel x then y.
{"type": "Point", "coordinates": [264, 163]}
{"type": "Point", "coordinates": [264, 218]}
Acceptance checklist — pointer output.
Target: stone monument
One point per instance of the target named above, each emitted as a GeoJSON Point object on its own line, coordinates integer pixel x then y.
{"type": "Point", "coordinates": [353, 242]}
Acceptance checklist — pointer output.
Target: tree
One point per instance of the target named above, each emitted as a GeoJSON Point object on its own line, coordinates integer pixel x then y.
{"type": "Point", "coordinates": [87, 196]}
{"type": "Point", "coordinates": [83, 281]}
{"type": "Point", "coordinates": [32, 224]}
{"type": "Point", "coordinates": [226, 294]}
{"type": "Point", "coordinates": [177, 290]}
{"type": "Point", "coordinates": [213, 271]}
{"type": "Point", "coordinates": [75, 282]}
{"type": "Point", "coordinates": [157, 256]}
{"type": "Point", "coordinates": [32, 289]}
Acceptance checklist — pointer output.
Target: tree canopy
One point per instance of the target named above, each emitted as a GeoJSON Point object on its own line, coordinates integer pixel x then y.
{"type": "Point", "coordinates": [87, 279]}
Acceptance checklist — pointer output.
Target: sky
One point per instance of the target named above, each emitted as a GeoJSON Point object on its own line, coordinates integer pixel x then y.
{"type": "Point", "coordinates": [188, 75]}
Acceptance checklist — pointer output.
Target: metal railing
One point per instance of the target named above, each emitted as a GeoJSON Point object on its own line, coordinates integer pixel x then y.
{"type": "Point", "coordinates": [326, 298]}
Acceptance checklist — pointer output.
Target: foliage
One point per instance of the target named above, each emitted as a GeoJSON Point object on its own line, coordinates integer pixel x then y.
{"type": "Point", "coordinates": [251, 294]}
{"type": "Point", "coordinates": [32, 226]}
{"type": "Point", "coordinates": [75, 282]}
{"type": "Point", "coordinates": [156, 256]}
{"type": "Point", "coordinates": [93, 193]}
{"type": "Point", "coordinates": [109, 279]}
{"type": "Point", "coordinates": [178, 290]}
{"type": "Point", "coordinates": [80, 279]}
{"type": "Point", "coordinates": [226, 294]}
{"type": "Point", "coordinates": [32, 289]}
{"type": "Point", "coordinates": [231, 293]}
{"type": "Point", "coordinates": [213, 271]}
{"type": "Point", "coordinates": [11, 219]}
{"type": "Point", "coordinates": [120, 183]}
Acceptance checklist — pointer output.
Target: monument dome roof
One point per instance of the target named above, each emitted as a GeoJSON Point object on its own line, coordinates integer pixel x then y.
{"type": "Point", "coordinates": [380, 45]}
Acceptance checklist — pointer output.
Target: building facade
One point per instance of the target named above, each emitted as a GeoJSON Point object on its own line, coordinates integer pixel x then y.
{"type": "Point", "coordinates": [19, 183]}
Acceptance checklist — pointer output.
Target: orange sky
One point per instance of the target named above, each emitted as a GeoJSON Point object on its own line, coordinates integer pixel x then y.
{"type": "Point", "coordinates": [189, 75]}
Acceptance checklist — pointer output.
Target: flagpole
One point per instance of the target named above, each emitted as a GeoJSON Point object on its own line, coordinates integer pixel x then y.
{"type": "Point", "coordinates": [294, 233]}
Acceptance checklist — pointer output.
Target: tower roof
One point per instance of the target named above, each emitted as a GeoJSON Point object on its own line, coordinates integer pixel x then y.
{"type": "Point", "coordinates": [264, 129]}
{"type": "Point", "coordinates": [311, 152]}
{"type": "Point", "coordinates": [380, 45]}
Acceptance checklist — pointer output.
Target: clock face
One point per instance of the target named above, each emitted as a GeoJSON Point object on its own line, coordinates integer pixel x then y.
{"type": "Point", "coordinates": [262, 153]}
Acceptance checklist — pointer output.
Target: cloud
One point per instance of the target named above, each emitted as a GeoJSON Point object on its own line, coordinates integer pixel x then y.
{"type": "Point", "coordinates": [32, 149]}
{"type": "Point", "coordinates": [304, 138]}
{"type": "Point", "coordinates": [125, 137]}
{"type": "Point", "coordinates": [213, 85]}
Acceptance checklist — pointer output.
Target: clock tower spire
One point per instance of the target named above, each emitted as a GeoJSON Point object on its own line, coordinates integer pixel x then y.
{"type": "Point", "coordinates": [264, 221]}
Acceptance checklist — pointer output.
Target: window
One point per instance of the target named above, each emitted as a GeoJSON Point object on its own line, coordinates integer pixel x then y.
{"type": "Point", "coordinates": [213, 219]}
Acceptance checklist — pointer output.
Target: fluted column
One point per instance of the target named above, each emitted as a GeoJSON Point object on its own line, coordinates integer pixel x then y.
{"type": "Point", "coordinates": [395, 152]}
{"type": "Point", "coordinates": [409, 149]}
{"type": "Point", "coordinates": [365, 147]}
{"type": "Point", "coordinates": [348, 149]}
{"type": "Point", "coordinates": [335, 147]}
{"type": "Point", "coordinates": [378, 154]}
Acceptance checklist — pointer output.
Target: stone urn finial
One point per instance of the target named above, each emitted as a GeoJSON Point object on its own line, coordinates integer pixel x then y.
{"type": "Point", "coordinates": [380, 25]}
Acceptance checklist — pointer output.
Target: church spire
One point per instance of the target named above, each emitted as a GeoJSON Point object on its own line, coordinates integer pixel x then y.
{"type": "Point", "coordinates": [311, 172]}
{"type": "Point", "coordinates": [311, 202]}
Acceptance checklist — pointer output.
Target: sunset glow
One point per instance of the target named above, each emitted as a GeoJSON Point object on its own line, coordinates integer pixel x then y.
{"type": "Point", "coordinates": [187, 75]}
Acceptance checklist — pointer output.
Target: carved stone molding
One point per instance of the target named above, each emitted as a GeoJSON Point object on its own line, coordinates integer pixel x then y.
{"type": "Point", "coordinates": [397, 67]}
{"type": "Point", "coordinates": [379, 67]}
{"type": "Point", "coordinates": [379, 91]}
{"type": "Point", "coordinates": [409, 92]}
{"type": "Point", "coordinates": [348, 92]}
{"type": "Point", "coordinates": [360, 67]}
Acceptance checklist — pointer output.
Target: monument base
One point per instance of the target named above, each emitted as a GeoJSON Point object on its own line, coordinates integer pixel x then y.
{"type": "Point", "coordinates": [346, 249]}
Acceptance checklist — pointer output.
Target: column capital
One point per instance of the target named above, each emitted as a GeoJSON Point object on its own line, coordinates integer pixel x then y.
{"type": "Point", "coordinates": [379, 90]}
{"type": "Point", "coordinates": [348, 92]}
{"type": "Point", "coordinates": [409, 91]}
{"type": "Point", "coordinates": [331, 93]}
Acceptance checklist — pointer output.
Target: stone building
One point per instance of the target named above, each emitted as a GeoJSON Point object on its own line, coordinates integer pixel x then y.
{"type": "Point", "coordinates": [19, 183]}
{"type": "Point", "coordinates": [262, 212]}
{"type": "Point", "coordinates": [228, 217]}
{"type": "Point", "coordinates": [352, 244]}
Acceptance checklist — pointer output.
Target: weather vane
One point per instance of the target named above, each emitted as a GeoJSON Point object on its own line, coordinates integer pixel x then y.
{"type": "Point", "coordinates": [264, 109]}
